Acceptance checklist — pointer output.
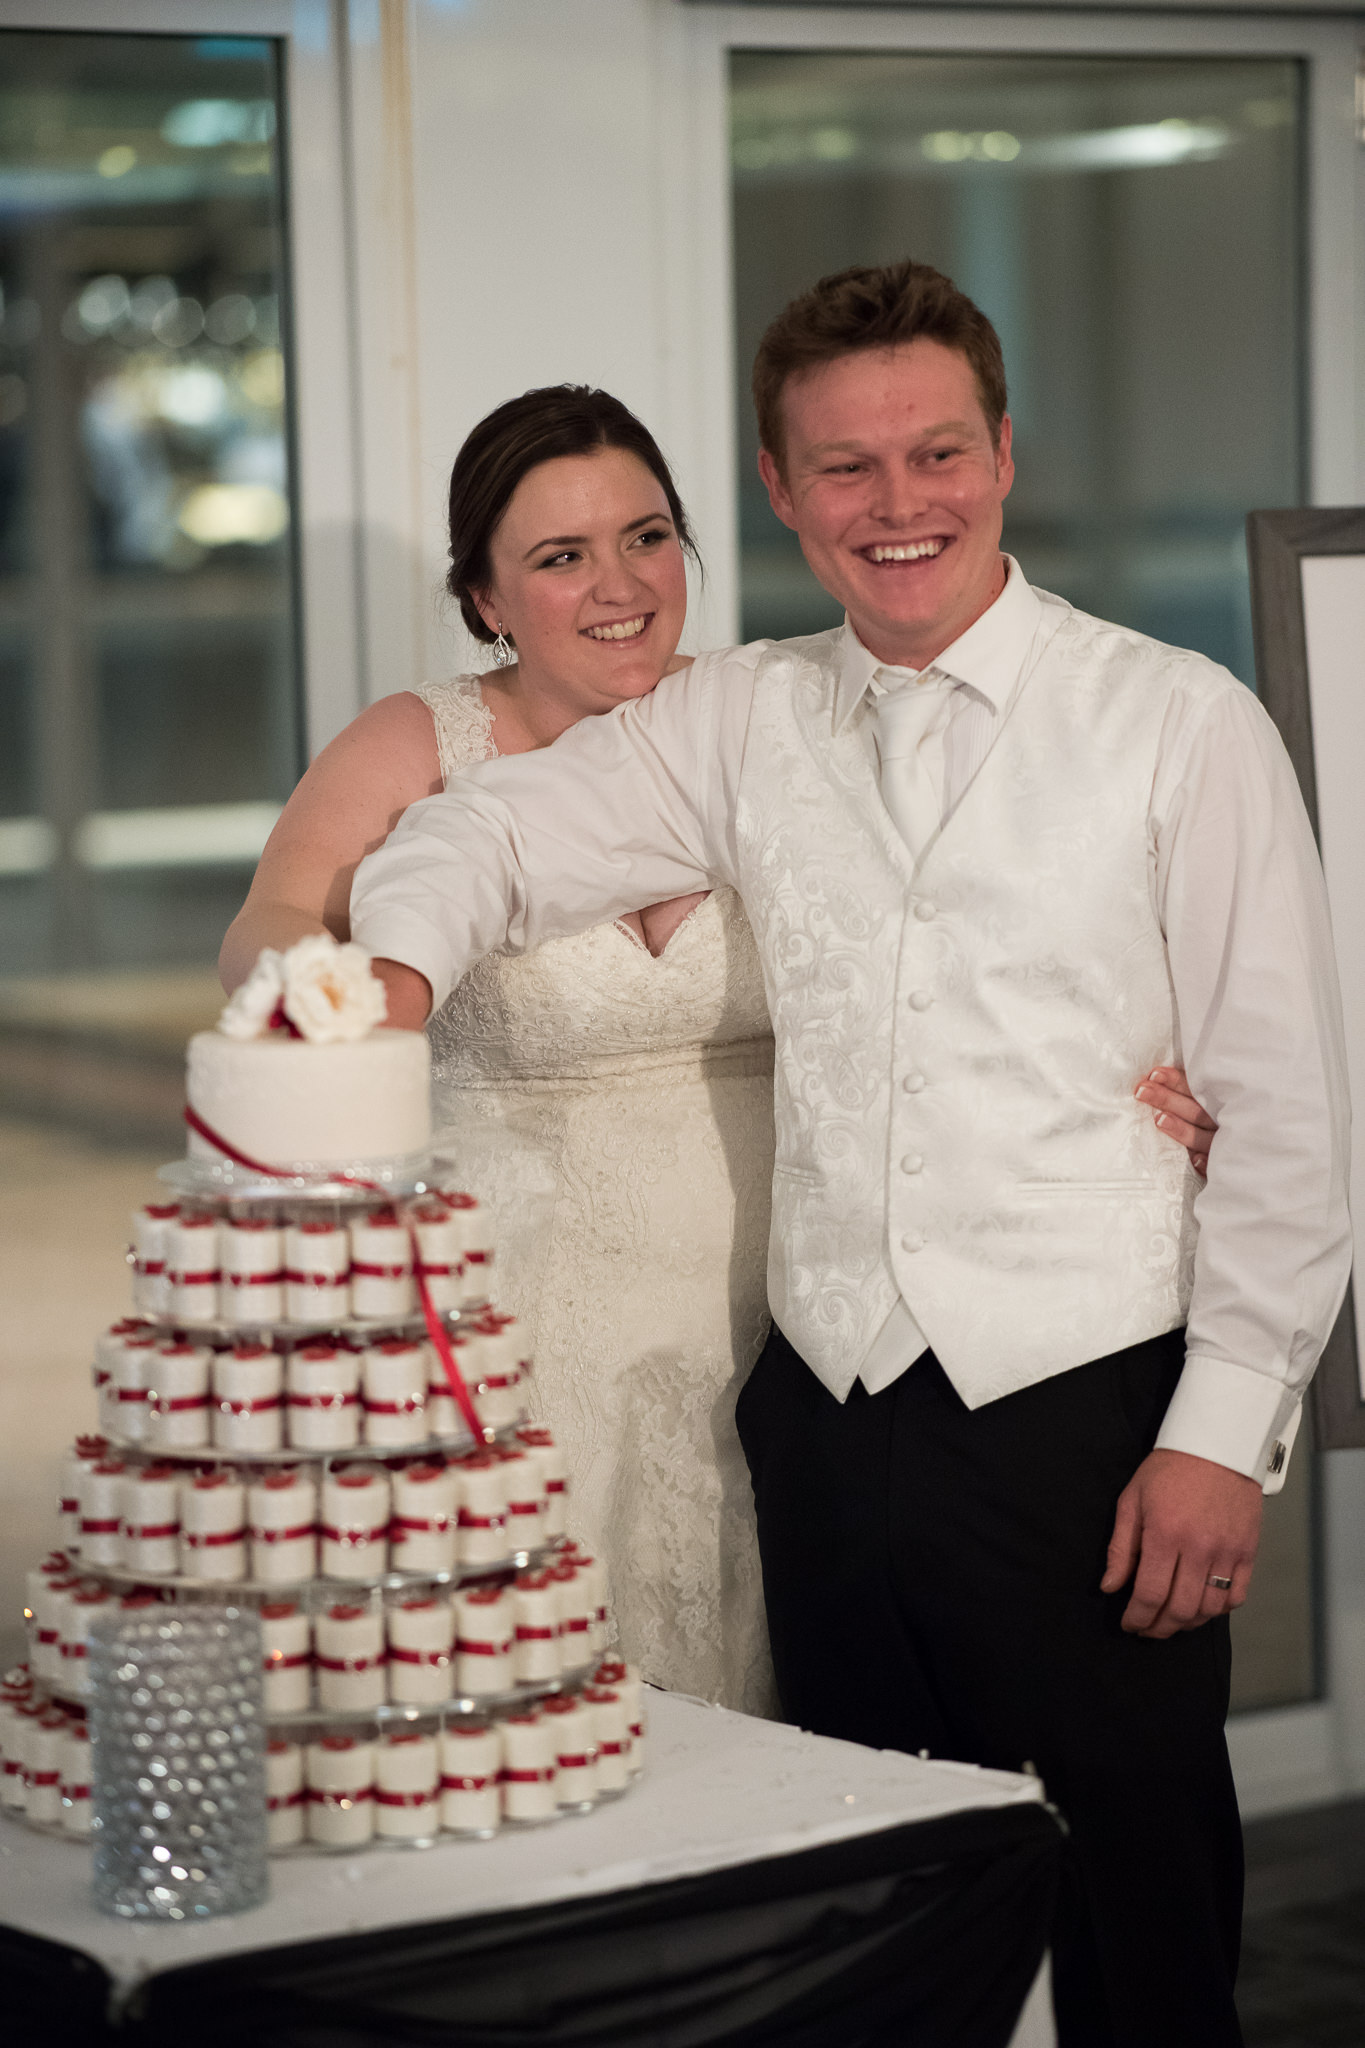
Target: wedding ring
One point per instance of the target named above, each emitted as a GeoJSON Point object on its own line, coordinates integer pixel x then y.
{"type": "Point", "coordinates": [1223, 1585]}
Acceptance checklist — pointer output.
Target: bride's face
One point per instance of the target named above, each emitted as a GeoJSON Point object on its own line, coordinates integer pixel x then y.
{"type": "Point", "coordinates": [588, 580]}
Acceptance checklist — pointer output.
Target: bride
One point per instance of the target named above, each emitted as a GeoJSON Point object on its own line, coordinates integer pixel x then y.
{"type": "Point", "coordinates": [634, 1059]}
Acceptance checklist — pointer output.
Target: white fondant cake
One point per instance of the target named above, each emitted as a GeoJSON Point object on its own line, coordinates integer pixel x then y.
{"type": "Point", "coordinates": [280, 1100]}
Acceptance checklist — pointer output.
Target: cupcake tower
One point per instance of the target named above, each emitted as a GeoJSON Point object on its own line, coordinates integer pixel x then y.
{"type": "Point", "coordinates": [278, 1423]}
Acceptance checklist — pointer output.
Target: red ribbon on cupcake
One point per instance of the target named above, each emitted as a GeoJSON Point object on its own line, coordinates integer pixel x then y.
{"type": "Point", "coordinates": [436, 1329]}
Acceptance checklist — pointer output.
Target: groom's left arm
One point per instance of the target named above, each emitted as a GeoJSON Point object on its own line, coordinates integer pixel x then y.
{"type": "Point", "coordinates": [1240, 894]}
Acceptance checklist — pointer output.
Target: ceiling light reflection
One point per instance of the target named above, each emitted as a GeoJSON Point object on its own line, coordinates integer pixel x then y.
{"type": "Point", "coordinates": [223, 515]}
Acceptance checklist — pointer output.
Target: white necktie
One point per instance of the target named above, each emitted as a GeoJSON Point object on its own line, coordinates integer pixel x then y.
{"type": "Point", "coordinates": [910, 723]}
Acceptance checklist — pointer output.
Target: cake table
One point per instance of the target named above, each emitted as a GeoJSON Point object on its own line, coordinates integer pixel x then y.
{"type": "Point", "coordinates": [760, 1885]}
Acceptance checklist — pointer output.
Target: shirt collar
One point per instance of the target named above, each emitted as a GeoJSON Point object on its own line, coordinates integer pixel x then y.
{"type": "Point", "coordinates": [988, 657]}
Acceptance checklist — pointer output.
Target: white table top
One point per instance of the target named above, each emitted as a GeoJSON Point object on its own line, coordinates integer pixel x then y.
{"type": "Point", "coordinates": [719, 1789]}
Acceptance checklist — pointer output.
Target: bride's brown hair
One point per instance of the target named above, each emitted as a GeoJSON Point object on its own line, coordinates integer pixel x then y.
{"type": "Point", "coordinates": [558, 419]}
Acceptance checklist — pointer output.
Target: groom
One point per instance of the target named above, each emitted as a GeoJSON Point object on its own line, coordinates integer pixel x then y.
{"type": "Point", "coordinates": [999, 857]}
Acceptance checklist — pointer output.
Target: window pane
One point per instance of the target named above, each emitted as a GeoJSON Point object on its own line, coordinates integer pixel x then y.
{"type": "Point", "coordinates": [149, 727]}
{"type": "Point", "coordinates": [1133, 229]}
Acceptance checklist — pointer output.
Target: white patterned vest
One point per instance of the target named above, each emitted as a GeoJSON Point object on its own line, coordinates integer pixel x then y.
{"type": "Point", "coordinates": [958, 1043]}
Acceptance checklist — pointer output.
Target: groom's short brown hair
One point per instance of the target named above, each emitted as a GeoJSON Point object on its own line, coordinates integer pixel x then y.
{"type": "Point", "coordinates": [873, 308]}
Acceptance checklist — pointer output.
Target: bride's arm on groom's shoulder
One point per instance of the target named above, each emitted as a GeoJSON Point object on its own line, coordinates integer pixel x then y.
{"type": "Point", "coordinates": [346, 804]}
{"type": "Point", "coordinates": [625, 810]}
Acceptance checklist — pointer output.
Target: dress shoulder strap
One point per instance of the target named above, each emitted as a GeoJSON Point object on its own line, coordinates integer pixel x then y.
{"type": "Point", "coordinates": [464, 723]}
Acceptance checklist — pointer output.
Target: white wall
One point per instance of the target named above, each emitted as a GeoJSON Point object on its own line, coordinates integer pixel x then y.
{"type": "Point", "coordinates": [524, 182]}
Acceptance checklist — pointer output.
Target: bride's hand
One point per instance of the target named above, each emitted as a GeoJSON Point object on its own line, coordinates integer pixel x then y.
{"type": "Point", "coordinates": [1167, 1093]}
{"type": "Point", "coordinates": [409, 995]}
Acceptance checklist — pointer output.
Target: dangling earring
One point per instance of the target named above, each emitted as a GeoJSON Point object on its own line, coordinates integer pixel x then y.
{"type": "Point", "coordinates": [503, 656]}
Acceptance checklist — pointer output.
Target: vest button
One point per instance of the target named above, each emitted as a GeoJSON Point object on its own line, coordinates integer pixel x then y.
{"type": "Point", "coordinates": [913, 1083]}
{"type": "Point", "coordinates": [912, 1242]}
{"type": "Point", "coordinates": [925, 912]}
{"type": "Point", "coordinates": [921, 999]}
{"type": "Point", "coordinates": [912, 1163]}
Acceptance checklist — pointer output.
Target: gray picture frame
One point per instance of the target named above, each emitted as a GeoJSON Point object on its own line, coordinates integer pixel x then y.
{"type": "Point", "coordinates": [1277, 543]}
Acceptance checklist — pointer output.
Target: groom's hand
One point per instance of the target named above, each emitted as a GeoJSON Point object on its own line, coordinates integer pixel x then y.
{"type": "Point", "coordinates": [1181, 1521]}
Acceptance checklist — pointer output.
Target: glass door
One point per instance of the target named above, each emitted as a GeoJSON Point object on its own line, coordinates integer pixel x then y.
{"type": "Point", "coordinates": [149, 670]}
{"type": "Point", "coordinates": [1130, 203]}
{"type": "Point", "coordinates": [147, 642]}
{"type": "Point", "coordinates": [1134, 229]}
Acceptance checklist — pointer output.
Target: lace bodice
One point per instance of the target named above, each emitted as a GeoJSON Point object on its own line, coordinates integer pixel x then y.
{"type": "Point", "coordinates": [615, 1110]}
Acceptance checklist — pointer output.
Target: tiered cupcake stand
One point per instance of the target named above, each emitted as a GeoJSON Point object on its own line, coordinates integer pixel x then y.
{"type": "Point", "coordinates": [435, 1649]}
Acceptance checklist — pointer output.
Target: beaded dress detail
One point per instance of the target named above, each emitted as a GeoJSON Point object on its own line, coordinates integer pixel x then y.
{"type": "Point", "coordinates": [623, 1103]}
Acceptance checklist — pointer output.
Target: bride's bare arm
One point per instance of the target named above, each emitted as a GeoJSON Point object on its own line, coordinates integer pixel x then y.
{"type": "Point", "coordinates": [347, 804]}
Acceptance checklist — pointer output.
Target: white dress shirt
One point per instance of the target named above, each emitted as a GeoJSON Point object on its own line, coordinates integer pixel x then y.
{"type": "Point", "coordinates": [703, 780]}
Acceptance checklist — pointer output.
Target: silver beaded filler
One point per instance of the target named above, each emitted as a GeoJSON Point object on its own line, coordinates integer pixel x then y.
{"type": "Point", "coordinates": [177, 1739]}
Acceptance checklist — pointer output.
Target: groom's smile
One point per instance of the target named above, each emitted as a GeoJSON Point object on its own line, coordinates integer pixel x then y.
{"type": "Point", "coordinates": [892, 479]}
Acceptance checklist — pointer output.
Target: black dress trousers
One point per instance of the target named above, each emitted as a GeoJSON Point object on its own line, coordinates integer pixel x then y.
{"type": "Point", "coordinates": [931, 1575]}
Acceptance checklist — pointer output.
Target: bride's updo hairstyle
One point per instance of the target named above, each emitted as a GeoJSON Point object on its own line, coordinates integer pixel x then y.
{"type": "Point", "coordinates": [560, 419]}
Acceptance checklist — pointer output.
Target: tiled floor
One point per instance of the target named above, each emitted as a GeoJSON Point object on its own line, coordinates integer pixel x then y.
{"type": "Point", "coordinates": [1302, 1982]}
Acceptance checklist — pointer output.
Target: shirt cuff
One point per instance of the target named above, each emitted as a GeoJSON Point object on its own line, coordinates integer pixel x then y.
{"type": "Point", "coordinates": [400, 935]}
{"type": "Point", "coordinates": [1232, 1416]}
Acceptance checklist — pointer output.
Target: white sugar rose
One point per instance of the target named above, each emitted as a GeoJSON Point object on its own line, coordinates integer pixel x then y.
{"type": "Point", "coordinates": [330, 994]}
{"type": "Point", "coordinates": [251, 1008]}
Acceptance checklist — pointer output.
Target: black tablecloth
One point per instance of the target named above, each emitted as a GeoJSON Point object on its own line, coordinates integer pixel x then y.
{"type": "Point", "coordinates": [925, 1936]}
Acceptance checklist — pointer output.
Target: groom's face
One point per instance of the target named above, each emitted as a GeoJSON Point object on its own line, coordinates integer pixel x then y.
{"type": "Point", "coordinates": [892, 481]}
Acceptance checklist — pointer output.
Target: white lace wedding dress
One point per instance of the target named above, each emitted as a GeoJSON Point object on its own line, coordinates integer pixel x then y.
{"type": "Point", "coordinates": [623, 1104]}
